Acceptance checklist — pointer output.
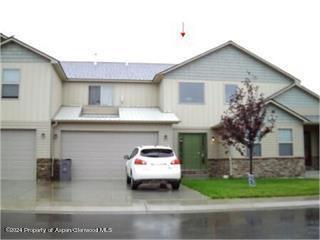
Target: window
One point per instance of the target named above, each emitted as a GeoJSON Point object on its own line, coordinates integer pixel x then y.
{"type": "Point", "coordinates": [191, 92]}
{"type": "Point", "coordinates": [256, 148]}
{"type": "Point", "coordinates": [100, 95]}
{"type": "Point", "coordinates": [10, 83]}
{"type": "Point", "coordinates": [229, 91]}
{"type": "Point", "coordinates": [156, 153]}
{"type": "Point", "coordinates": [285, 142]}
{"type": "Point", "coordinates": [94, 95]}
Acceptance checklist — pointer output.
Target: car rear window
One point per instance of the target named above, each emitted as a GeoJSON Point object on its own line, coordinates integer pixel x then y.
{"type": "Point", "coordinates": [157, 153]}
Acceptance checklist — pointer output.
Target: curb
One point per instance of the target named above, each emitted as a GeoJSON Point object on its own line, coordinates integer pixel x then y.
{"type": "Point", "coordinates": [164, 209]}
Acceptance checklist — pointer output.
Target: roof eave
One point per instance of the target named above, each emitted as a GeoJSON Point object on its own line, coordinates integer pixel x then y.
{"type": "Point", "coordinates": [55, 62]}
{"type": "Point", "coordinates": [114, 121]}
{"type": "Point", "coordinates": [288, 110]}
{"type": "Point", "coordinates": [287, 88]}
{"type": "Point", "coordinates": [107, 80]}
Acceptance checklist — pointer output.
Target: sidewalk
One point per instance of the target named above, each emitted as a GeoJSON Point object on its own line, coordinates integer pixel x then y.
{"type": "Point", "coordinates": [115, 197]}
{"type": "Point", "coordinates": [149, 207]}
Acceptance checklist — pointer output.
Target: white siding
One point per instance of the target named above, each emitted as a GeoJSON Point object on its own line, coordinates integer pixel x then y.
{"type": "Point", "coordinates": [43, 131]}
{"type": "Point", "coordinates": [33, 103]}
{"type": "Point", "coordinates": [56, 93]}
{"type": "Point", "coordinates": [270, 143]}
{"type": "Point", "coordinates": [201, 115]}
{"type": "Point", "coordinates": [124, 94]}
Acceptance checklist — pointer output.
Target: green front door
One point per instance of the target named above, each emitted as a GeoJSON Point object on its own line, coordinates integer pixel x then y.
{"type": "Point", "coordinates": [192, 149]}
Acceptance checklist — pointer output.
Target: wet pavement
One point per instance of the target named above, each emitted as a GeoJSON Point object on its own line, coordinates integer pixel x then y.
{"type": "Point", "coordinates": [267, 224]}
{"type": "Point", "coordinates": [114, 196]}
{"type": "Point", "coordinates": [32, 195]}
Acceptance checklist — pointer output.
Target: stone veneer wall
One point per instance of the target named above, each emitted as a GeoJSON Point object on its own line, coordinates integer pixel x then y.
{"type": "Point", "coordinates": [44, 169]}
{"type": "Point", "coordinates": [44, 166]}
{"type": "Point", "coordinates": [262, 167]}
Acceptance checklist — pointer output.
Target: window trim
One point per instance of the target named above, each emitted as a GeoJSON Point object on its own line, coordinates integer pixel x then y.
{"type": "Point", "coordinates": [94, 85]}
{"type": "Point", "coordinates": [224, 92]}
{"type": "Point", "coordinates": [101, 91]}
{"type": "Point", "coordinates": [192, 103]}
{"type": "Point", "coordinates": [285, 142]}
{"type": "Point", "coordinates": [2, 83]}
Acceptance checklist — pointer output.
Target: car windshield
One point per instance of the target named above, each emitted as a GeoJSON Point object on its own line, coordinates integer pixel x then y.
{"type": "Point", "coordinates": [157, 153]}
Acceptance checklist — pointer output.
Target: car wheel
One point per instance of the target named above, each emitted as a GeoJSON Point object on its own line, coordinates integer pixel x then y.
{"type": "Point", "coordinates": [134, 184]}
{"type": "Point", "coordinates": [128, 180]}
{"type": "Point", "coordinates": [175, 185]}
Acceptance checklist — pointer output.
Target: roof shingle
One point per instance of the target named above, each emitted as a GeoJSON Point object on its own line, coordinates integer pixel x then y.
{"type": "Point", "coordinates": [112, 70]}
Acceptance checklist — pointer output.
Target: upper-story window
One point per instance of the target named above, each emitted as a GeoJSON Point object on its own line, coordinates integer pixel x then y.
{"type": "Point", "coordinates": [100, 95]}
{"type": "Point", "coordinates": [191, 92]}
{"type": "Point", "coordinates": [285, 142]}
{"type": "Point", "coordinates": [229, 91]}
{"type": "Point", "coordinates": [10, 83]}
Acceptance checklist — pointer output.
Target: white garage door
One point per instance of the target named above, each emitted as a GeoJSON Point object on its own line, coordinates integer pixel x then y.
{"type": "Point", "coordinates": [99, 155]}
{"type": "Point", "coordinates": [18, 155]}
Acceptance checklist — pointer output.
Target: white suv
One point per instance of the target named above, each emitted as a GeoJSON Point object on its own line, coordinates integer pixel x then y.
{"type": "Point", "coordinates": [153, 164]}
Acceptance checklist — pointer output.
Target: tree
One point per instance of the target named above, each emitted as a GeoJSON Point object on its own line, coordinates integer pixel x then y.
{"type": "Point", "coordinates": [245, 120]}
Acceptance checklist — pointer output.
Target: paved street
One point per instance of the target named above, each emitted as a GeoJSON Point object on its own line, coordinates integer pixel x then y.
{"type": "Point", "coordinates": [283, 224]}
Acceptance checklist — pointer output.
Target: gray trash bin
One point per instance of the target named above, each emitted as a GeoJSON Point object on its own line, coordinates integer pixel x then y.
{"type": "Point", "coordinates": [65, 170]}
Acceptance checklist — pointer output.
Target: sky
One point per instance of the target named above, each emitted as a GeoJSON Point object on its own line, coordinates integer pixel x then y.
{"type": "Point", "coordinates": [285, 33]}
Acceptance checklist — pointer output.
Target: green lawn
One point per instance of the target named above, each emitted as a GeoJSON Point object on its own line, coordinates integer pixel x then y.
{"type": "Point", "coordinates": [238, 188]}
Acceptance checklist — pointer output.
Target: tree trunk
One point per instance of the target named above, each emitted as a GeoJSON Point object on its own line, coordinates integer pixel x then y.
{"type": "Point", "coordinates": [250, 157]}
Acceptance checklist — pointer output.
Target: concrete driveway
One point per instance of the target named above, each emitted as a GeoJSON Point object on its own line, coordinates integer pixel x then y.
{"type": "Point", "coordinates": [114, 194]}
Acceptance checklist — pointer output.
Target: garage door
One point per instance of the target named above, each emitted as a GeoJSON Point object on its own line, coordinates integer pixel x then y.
{"type": "Point", "coordinates": [99, 155]}
{"type": "Point", "coordinates": [18, 155]}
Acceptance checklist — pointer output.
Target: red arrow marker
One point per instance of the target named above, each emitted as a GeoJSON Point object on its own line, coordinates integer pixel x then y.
{"type": "Point", "coordinates": [182, 32]}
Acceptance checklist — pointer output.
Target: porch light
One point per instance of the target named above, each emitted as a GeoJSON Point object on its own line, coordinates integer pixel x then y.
{"type": "Point", "coordinates": [213, 139]}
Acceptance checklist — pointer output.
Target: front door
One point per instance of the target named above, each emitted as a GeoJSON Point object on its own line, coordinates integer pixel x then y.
{"type": "Point", "coordinates": [307, 150]}
{"type": "Point", "coordinates": [192, 149]}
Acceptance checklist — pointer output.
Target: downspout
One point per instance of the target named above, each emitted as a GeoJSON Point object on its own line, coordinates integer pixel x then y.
{"type": "Point", "coordinates": [54, 125]}
{"type": "Point", "coordinates": [230, 162]}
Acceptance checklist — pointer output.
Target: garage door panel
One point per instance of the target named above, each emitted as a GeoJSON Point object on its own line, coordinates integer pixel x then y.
{"type": "Point", "coordinates": [99, 155]}
{"type": "Point", "coordinates": [18, 155]}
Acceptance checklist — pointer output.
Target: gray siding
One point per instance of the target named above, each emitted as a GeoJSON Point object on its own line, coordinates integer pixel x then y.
{"type": "Point", "coordinates": [282, 116]}
{"type": "Point", "coordinates": [12, 52]}
{"type": "Point", "coordinates": [296, 98]}
{"type": "Point", "coordinates": [227, 64]}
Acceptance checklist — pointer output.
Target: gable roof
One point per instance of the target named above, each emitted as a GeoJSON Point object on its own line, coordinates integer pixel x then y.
{"type": "Point", "coordinates": [287, 88]}
{"type": "Point", "coordinates": [229, 43]}
{"type": "Point", "coordinates": [280, 106]}
{"type": "Point", "coordinates": [52, 60]}
{"type": "Point", "coordinates": [84, 71]}
{"type": "Point", "coordinates": [288, 110]}
{"type": "Point", "coordinates": [2, 37]}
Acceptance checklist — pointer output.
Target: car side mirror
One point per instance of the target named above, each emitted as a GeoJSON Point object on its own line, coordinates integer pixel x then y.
{"type": "Point", "coordinates": [126, 157]}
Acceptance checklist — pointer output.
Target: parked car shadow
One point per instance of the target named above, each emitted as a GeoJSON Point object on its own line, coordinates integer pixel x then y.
{"type": "Point", "coordinates": [158, 187]}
